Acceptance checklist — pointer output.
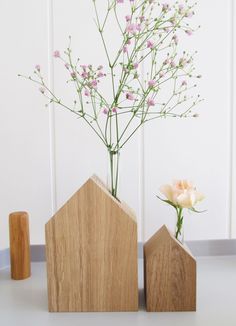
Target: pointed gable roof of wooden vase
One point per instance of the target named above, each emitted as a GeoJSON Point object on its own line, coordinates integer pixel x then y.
{"type": "Point", "coordinates": [161, 238]}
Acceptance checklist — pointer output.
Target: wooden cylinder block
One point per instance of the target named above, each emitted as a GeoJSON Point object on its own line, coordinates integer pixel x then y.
{"type": "Point", "coordinates": [19, 245]}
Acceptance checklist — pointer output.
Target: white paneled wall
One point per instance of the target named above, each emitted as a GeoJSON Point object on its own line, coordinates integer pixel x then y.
{"type": "Point", "coordinates": [197, 149]}
{"type": "Point", "coordinates": [25, 182]}
{"type": "Point", "coordinates": [46, 154]}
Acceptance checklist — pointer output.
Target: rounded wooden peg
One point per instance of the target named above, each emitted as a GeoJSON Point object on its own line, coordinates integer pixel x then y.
{"type": "Point", "coordinates": [19, 245]}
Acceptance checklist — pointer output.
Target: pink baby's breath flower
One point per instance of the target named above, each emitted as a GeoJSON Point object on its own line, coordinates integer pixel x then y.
{"type": "Point", "coordinates": [94, 83]}
{"type": "Point", "coordinates": [172, 64]}
{"type": "Point", "coordinates": [136, 65]}
{"type": "Point", "coordinates": [184, 83]}
{"type": "Point", "coordinates": [84, 74]}
{"type": "Point", "coordinates": [166, 62]}
{"type": "Point", "coordinates": [189, 14]}
{"type": "Point", "coordinates": [114, 110]}
{"type": "Point", "coordinates": [133, 28]}
{"type": "Point", "coordinates": [181, 8]}
{"type": "Point", "coordinates": [141, 19]}
{"type": "Point", "coordinates": [87, 93]}
{"type": "Point", "coordinates": [120, 1]}
{"type": "Point", "coordinates": [138, 27]}
{"type": "Point", "coordinates": [56, 54]}
{"type": "Point", "coordinates": [128, 18]}
{"type": "Point", "coordinates": [105, 110]}
{"type": "Point", "coordinates": [161, 74]}
{"type": "Point", "coordinates": [165, 7]}
{"type": "Point", "coordinates": [130, 28]}
{"type": "Point", "coordinates": [100, 67]}
{"type": "Point", "coordinates": [151, 83]}
{"type": "Point", "coordinates": [100, 74]}
{"type": "Point", "coordinates": [73, 75]}
{"type": "Point", "coordinates": [129, 96]}
{"type": "Point", "coordinates": [182, 62]}
{"type": "Point", "coordinates": [84, 67]}
{"type": "Point", "coordinates": [128, 42]}
{"type": "Point", "coordinates": [125, 49]}
{"type": "Point", "coordinates": [67, 66]}
{"type": "Point", "coordinates": [150, 44]}
{"type": "Point", "coordinates": [42, 90]}
{"type": "Point", "coordinates": [150, 102]}
{"type": "Point", "coordinates": [175, 39]}
{"type": "Point", "coordinates": [37, 67]}
{"type": "Point", "coordinates": [189, 32]}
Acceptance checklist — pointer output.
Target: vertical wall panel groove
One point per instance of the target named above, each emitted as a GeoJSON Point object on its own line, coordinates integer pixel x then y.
{"type": "Point", "coordinates": [232, 224]}
{"type": "Point", "coordinates": [141, 184]}
{"type": "Point", "coordinates": [141, 176]}
{"type": "Point", "coordinates": [51, 109]}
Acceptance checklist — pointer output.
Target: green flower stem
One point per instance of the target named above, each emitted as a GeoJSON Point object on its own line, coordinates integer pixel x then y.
{"type": "Point", "coordinates": [114, 172]}
{"type": "Point", "coordinates": [179, 224]}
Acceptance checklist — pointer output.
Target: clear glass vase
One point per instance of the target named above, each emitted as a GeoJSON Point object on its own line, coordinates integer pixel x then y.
{"type": "Point", "coordinates": [113, 179]}
{"type": "Point", "coordinates": [179, 233]}
{"type": "Point", "coordinates": [179, 230]}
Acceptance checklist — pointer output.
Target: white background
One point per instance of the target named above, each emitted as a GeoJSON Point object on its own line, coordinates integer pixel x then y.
{"type": "Point", "coordinates": [47, 154]}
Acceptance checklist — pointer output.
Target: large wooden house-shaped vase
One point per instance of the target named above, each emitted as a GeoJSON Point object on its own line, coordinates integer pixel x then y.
{"type": "Point", "coordinates": [91, 250]}
{"type": "Point", "coordinates": [169, 274]}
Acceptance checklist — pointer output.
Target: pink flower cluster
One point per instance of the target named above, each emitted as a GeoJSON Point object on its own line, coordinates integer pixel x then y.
{"type": "Point", "coordinates": [137, 24]}
{"type": "Point", "coordinates": [91, 77]}
{"type": "Point", "coordinates": [150, 102]}
{"type": "Point", "coordinates": [150, 44]}
{"type": "Point", "coordinates": [129, 96]}
{"type": "Point", "coordinates": [189, 32]}
{"type": "Point", "coordinates": [105, 110]}
{"type": "Point", "coordinates": [56, 54]}
{"type": "Point", "coordinates": [122, 1]}
{"type": "Point", "coordinates": [133, 28]}
{"type": "Point", "coordinates": [165, 7]}
{"type": "Point", "coordinates": [38, 68]}
{"type": "Point", "coordinates": [185, 11]}
{"type": "Point", "coordinates": [151, 83]}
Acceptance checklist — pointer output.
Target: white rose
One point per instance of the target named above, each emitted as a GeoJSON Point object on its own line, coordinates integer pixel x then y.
{"type": "Point", "coordinates": [182, 193]}
{"type": "Point", "coordinates": [189, 198]}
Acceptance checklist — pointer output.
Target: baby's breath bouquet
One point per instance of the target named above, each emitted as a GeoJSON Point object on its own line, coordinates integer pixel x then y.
{"type": "Point", "coordinates": [149, 38]}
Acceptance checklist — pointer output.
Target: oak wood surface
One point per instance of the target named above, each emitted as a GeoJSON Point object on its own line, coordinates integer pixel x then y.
{"type": "Point", "coordinates": [91, 249]}
{"type": "Point", "coordinates": [170, 274]}
{"type": "Point", "coordinates": [19, 245]}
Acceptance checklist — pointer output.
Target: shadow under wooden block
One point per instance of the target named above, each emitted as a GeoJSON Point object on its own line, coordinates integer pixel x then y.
{"type": "Point", "coordinates": [91, 251]}
{"type": "Point", "coordinates": [169, 274]}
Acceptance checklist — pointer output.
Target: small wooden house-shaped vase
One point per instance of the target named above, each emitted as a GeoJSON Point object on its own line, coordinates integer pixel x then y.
{"type": "Point", "coordinates": [91, 251]}
{"type": "Point", "coordinates": [169, 274]}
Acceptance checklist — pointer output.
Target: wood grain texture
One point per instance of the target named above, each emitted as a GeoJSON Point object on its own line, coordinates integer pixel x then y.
{"type": "Point", "coordinates": [91, 249]}
{"type": "Point", "coordinates": [169, 274]}
{"type": "Point", "coordinates": [19, 245]}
